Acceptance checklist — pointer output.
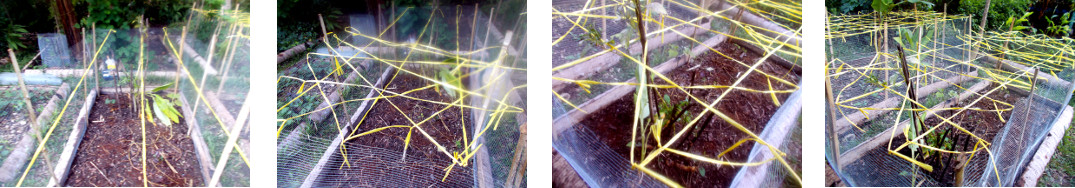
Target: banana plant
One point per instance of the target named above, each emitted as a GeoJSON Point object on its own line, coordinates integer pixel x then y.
{"type": "Point", "coordinates": [1016, 24]}
{"type": "Point", "coordinates": [163, 107]}
{"type": "Point", "coordinates": [1060, 29]}
{"type": "Point", "coordinates": [449, 79]}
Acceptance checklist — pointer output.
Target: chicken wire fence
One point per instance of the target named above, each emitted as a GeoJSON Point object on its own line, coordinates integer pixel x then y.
{"type": "Point", "coordinates": [980, 105]}
{"type": "Point", "coordinates": [211, 91]}
{"type": "Point", "coordinates": [420, 96]}
{"type": "Point", "coordinates": [596, 58]}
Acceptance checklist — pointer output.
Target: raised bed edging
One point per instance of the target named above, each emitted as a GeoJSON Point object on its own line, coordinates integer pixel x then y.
{"type": "Point", "coordinates": [67, 157]}
{"type": "Point", "coordinates": [608, 59]}
{"type": "Point", "coordinates": [845, 123]}
{"type": "Point", "coordinates": [1045, 152]}
{"type": "Point", "coordinates": [205, 160]}
{"type": "Point", "coordinates": [63, 167]}
{"type": "Point", "coordinates": [860, 150]}
{"type": "Point", "coordinates": [572, 117]}
{"type": "Point", "coordinates": [776, 130]}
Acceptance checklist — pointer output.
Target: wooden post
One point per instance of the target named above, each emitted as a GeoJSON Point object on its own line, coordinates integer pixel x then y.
{"type": "Point", "coordinates": [473, 27]}
{"type": "Point", "coordinates": [205, 74]}
{"type": "Point", "coordinates": [834, 139]}
{"type": "Point", "coordinates": [96, 75]}
{"type": "Point", "coordinates": [179, 70]}
{"type": "Point", "coordinates": [244, 112]}
{"type": "Point", "coordinates": [981, 34]}
{"type": "Point", "coordinates": [29, 108]}
{"type": "Point", "coordinates": [227, 63]}
{"type": "Point", "coordinates": [84, 62]}
{"type": "Point", "coordinates": [25, 93]}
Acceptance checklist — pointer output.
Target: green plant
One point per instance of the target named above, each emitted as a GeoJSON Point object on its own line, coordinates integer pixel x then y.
{"type": "Point", "coordinates": [1061, 29]}
{"type": "Point", "coordinates": [999, 11]}
{"type": "Point", "coordinates": [848, 6]}
{"type": "Point", "coordinates": [912, 40]}
{"type": "Point", "coordinates": [1017, 24]}
{"type": "Point", "coordinates": [449, 78]}
{"type": "Point", "coordinates": [12, 35]}
{"type": "Point", "coordinates": [163, 108]}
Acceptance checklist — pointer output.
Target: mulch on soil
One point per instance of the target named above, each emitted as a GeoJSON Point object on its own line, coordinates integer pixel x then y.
{"type": "Point", "coordinates": [712, 135]}
{"type": "Point", "coordinates": [110, 154]}
{"type": "Point", "coordinates": [445, 128]}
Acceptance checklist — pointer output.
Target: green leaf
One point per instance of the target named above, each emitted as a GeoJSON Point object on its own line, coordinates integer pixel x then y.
{"type": "Point", "coordinates": [160, 115]}
{"type": "Point", "coordinates": [881, 6]}
{"type": "Point", "coordinates": [163, 87]}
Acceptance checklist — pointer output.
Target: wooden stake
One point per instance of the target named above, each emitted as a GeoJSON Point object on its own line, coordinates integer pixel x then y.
{"type": "Point", "coordinates": [30, 109]}
{"type": "Point", "coordinates": [834, 139]}
{"type": "Point", "coordinates": [205, 74]}
{"type": "Point", "coordinates": [227, 64]}
{"type": "Point", "coordinates": [25, 92]}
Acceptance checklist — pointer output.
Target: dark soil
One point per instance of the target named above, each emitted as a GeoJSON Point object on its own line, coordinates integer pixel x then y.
{"type": "Point", "coordinates": [445, 128]}
{"type": "Point", "coordinates": [985, 124]}
{"type": "Point", "coordinates": [110, 154]}
{"type": "Point", "coordinates": [712, 135]}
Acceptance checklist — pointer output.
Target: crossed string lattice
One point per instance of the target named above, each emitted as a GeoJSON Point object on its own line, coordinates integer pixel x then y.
{"type": "Point", "coordinates": [417, 54]}
{"type": "Point", "coordinates": [954, 40]}
{"type": "Point", "coordinates": [784, 12]}
{"type": "Point", "coordinates": [232, 17]}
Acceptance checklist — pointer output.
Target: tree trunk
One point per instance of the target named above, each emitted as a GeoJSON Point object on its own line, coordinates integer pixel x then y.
{"type": "Point", "coordinates": [67, 20]}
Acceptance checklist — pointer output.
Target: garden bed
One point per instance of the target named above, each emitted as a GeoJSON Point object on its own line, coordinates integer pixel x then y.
{"type": "Point", "coordinates": [445, 128]}
{"type": "Point", "coordinates": [985, 124]}
{"type": "Point", "coordinates": [13, 115]}
{"type": "Point", "coordinates": [751, 109]}
{"type": "Point", "coordinates": [109, 152]}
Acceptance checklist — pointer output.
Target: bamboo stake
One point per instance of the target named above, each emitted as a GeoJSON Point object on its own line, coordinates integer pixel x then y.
{"type": "Point", "coordinates": [227, 63]}
{"type": "Point", "coordinates": [25, 92]}
{"type": "Point", "coordinates": [30, 109]}
{"type": "Point", "coordinates": [473, 27]}
{"type": "Point", "coordinates": [834, 142]}
{"type": "Point", "coordinates": [142, 101]}
{"type": "Point", "coordinates": [96, 74]}
{"type": "Point", "coordinates": [205, 74]}
{"type": "Point", "coordinates": [84, 54]}
{"type": "Point", "coordinates": [244, 112]}
{"type": "Point", "coordinates": [182, 41]}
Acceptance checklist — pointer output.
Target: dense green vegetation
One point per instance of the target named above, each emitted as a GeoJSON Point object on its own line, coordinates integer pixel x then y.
{"type": "Point", "coordinates": [1047, 17]}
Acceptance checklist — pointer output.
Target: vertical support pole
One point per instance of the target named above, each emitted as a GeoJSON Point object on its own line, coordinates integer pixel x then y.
{"type": "Point", "coordinates": [227, 63]}
{"type": "Point", "coordinates": [179, 70]}
{"type": "Point", "coordinates": [834, 139]}
{"type": "Point", "coordinates": [205, 74]}
{"type": "Point", "coordinates": [30, 109]}
{"type": "Point", "coordinates": [25, 92]}
{"type": "Point", "coordinates": [96, 75]}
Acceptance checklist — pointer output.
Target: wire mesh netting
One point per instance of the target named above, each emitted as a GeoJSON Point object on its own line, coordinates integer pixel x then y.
{"type": "Point", "coordinates": [418, 97]}
{"type": "Point", "coordinates": [718, 106]}
{"type": "Point", "coordinates": [979, 105]}
{"type": "Point", "coordinates": [207, 88]}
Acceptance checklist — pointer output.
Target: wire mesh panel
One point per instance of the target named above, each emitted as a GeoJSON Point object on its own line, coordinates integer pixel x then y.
{"type": "Point", "coordinates": [979, 101]}
{"type": "Point", "coordinates": [413, 102]}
